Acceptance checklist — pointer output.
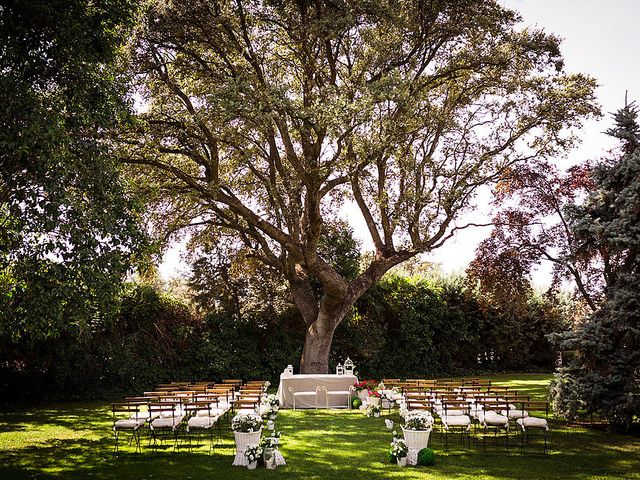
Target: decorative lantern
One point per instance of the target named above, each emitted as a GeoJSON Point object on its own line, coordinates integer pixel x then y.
{"type": "Point", "coordinates": [348, 366]}
{"type": "Point", "coordinates": [339, 370]}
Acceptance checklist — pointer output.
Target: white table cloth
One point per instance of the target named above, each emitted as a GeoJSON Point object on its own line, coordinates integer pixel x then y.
{"type": "Point", "coordinates": [308, 383]}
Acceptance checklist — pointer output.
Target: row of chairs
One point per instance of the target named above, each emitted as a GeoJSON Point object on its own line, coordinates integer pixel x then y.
{"type": "Point", "coordinates": [192, 408]}
{"type": "Point", "coordinates": [485, 409]}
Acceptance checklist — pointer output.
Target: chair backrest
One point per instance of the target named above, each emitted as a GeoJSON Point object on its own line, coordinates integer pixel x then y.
{"type": "Point", "coordinates": [234, 382]}
{"type": "Point", "coordinates": [496, 406]}
{"type": "Point", "coordinates": [534, 406]}
{"type": "Point", "coordinates": [196, 406]}
{"type": "Point", "coordinates": [498, 388]}
{"type": "Point", "coordinates": [125, 407]}
{"type": "Point", "coordinates": [420, 404]}
{"type": "Point", "coordinates": [453, 405]}
{"type": "Point", "coordinates": [245, 403]}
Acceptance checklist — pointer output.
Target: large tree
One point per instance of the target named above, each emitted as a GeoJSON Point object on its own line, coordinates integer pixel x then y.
{"type": "Point", "coordinates": [603, 375]}
{"type": "Point", "coordinates": [263, 117]}
{"type": "Point", "coordinates": [67, 224]}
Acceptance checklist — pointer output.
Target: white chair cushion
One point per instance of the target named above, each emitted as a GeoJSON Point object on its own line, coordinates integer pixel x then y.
{"type": "Point", "coordinates": [299, 394]}
{"type": "Point", "coordinates": [456, 421]}
{"type": "Point", "coordinates": [201, 422]}
{"type": "Point", "coordinates": [338, 392]}
{"type": "Point", "coordinates": [164, 422]}
{"type": "Point", "coordinates": [493, 419]}
{"type": "Point", "coordinates": [454, 413]}
{"type": "Point", "coordinates": [533, 422]}
{"type": "Point", "coordinates": [515, 414]}
{"type": "Point", "coordinates": [128, 424]}
{"type": "Point", "coordinates": [213, 412]}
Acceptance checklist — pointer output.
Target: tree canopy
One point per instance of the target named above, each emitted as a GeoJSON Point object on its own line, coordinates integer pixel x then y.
{"type": "Point", "coordinates": [67, 222]}
{"type": "Point", "coordinates": [264, 117]}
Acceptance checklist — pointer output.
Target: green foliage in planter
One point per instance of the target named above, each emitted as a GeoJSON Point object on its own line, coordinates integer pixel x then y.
{"type": "Point", "coordinates": [356, 402]}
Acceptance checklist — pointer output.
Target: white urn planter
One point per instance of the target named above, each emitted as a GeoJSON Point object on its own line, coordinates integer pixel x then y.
{"type": "Point", "coordinates": [242, 440]}
{"type": "Point", "coordinates": [373, 400]}
{"type": "Point", "coordinates": [363, 395]}
{"type": "Point", "coordinates": [402, 462]}
{"type": "Point", "coordinates": [416, 440]}
{"type": "Point", "coordinates": [376, 414]}
{"type": "Point", "coordinates": [252, 465]}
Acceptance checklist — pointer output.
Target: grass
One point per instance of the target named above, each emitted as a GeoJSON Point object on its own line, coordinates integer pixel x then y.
{"type": "Point", "coordinates": [73, 441]}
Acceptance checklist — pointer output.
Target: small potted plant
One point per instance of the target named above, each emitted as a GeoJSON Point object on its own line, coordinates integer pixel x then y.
{"type": "Point", "coordinates": [269, 445]}
{"type": "Point", "coordinates": [273, 402]}
{"type": "Point", "coordinates": [268, 411]}
{"type": "Point", "coordinates": [252, 453]}
{"type": "Point", "coordinates": [247, 429]}
{"type": "Point", "coordinates": [372, 410]}
{"type": "Point", "coordinates": [276, 437]}
{"type": "Point", "coordinates": [399, 451]}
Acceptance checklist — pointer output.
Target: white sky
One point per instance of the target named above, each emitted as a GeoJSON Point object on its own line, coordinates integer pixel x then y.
{"type": "Point", "coordinates": [600, 39]}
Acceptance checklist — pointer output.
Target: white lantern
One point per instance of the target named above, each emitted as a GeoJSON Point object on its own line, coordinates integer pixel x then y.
{"type": "Point", "coordinates": [339, 370]}
{"type": "Point", "coordinates": [348, 366]}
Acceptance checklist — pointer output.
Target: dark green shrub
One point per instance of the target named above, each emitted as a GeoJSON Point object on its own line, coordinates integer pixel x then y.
{"type": "Point", "coordinates": [426, 456]}
{"type": "Point", "coordinates": [356, 402]}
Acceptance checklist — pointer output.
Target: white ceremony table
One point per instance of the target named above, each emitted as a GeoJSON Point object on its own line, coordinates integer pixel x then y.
{"type": "Point", "coordinates": [308, 383]}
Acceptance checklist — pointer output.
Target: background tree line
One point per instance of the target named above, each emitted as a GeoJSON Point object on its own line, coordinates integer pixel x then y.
{"type": "Point", "coordinates": [409, 326]}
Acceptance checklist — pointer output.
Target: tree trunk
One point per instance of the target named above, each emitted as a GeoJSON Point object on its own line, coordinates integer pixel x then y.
{"type": "Point", "coordinates": [317, 343]}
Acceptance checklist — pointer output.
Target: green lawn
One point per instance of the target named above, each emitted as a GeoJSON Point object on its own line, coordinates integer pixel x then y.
{"type": "Point", "coordinates": [73, 440]}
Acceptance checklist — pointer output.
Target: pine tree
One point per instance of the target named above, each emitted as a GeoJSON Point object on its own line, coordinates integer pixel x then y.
{"type": "Point", "coordinates": [603, 377]}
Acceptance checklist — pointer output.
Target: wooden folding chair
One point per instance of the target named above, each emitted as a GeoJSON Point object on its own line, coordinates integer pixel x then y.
{"type": "Point", "coordinates": [132, 423]}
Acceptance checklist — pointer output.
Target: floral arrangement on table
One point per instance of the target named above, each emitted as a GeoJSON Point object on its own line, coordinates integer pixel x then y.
{"type": "Point", "coordinates": [276, 436]}
{"type": "Point", "coordinates": [253, 452]}
{"type": "Point", "coordinates": [398, 449]}
{"type": "Point", "coordinates": [246, 422]}
{"type": "Point", "coordinates": [417, 420]}
{"type": "Point", "coordinates": [267, 384]}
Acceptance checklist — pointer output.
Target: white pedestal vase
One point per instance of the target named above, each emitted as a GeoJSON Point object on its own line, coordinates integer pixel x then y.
{"type": "Point", "coordinates": [252, 465]}
{"type": "Point", "coordinates": [363, 395]}
{"type": "Point", "coordinates": [242, 440]}
{"type": "Point", "coordinates": [373, 400]}
{"type": "Point", "coordinates": [402, 462]}
{"type": "Point", "coordinates": [416, 440]}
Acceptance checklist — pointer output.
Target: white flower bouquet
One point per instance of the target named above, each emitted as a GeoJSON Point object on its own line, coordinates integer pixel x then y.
{"type": "Point", "coordinates": [246, 422]}
{"type": "Point", "coordinates": [417, 420]}
{"type": "Point", "coordinates": [253, 452]}
{"type": "Point", "coordinates": [399, 448]}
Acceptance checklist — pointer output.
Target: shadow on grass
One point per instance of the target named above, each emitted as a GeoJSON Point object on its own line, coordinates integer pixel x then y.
{"type": "Point", "coordinates": [316, 444]}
